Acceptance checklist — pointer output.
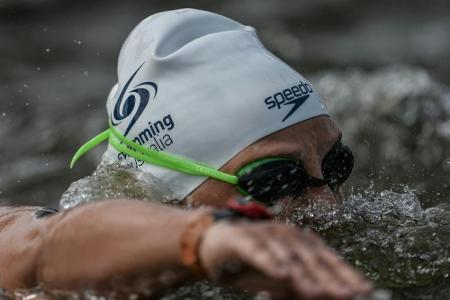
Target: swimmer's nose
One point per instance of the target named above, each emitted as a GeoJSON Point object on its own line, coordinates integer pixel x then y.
{"type": "Point", "coordinates": [320, 194]}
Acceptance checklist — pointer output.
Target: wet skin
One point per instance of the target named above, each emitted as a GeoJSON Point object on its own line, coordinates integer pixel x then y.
{"type": "Point", "coordinates": [308, 142]}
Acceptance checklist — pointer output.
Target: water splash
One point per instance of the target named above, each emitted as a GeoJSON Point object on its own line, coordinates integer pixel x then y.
{"type": "Point", "coordinates": [387, 235]}
{"type": "Point", "coordinates": [396, 121]}
{"type": "Point", "coordinates": [115, 181]}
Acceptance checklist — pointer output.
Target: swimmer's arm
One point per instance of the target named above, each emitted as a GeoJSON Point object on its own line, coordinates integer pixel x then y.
{"type": "Point", "coordinates": [121, 246]}
{"type": "Point", "coordinates": [104, 245]}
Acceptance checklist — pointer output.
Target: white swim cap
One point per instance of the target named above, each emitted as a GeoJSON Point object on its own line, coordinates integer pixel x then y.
{"type": "Point", "coordinates": [200, 85]}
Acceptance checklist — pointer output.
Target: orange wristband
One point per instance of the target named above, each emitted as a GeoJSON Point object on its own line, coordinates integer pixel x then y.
{"type": "Point", "coordinates": [192, 236]}
{"type": "Point", "coordinates": [191, 240]}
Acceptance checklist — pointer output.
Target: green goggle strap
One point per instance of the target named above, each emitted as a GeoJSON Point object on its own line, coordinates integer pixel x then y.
{"type": "Point", "coordinates": [162, 159]}
{"type": "Point", "coordinates": [89, 145]}
{"type": "Point", "coordinates": [253, 165]}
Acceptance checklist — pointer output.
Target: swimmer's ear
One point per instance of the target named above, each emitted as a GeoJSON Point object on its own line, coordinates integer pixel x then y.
{"type": "Point", "coordinates": [89, 145]}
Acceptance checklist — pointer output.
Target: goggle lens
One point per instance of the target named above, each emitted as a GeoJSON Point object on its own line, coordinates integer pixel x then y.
{"type": "Point", "coordinates": [337, 165]}
{"type": "Point", "coordinates": [270, 179]}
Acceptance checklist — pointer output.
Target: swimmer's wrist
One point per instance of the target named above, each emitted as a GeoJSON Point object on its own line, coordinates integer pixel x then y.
{"type": "Point", "coordinates": [195, 232]}
{"type": "Point", "coordinates": [191, 240]}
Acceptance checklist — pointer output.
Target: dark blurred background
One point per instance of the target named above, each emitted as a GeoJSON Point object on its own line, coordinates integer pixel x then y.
{"type": "Point", "coordinates": [58, 63]}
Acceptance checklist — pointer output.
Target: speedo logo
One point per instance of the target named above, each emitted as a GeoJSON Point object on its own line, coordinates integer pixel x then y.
{"type": "Point", "coordinates": [294, 97]}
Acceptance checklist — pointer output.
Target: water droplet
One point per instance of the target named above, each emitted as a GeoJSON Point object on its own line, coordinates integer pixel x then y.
{"type": "Point", "coordinates": [263, 296]}
{"type": "Point", "coordinates": [3, 114]}
{"type": "Point", "coordinates": [47, 50]}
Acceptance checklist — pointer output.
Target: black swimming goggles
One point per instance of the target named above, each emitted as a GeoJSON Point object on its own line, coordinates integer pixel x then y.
{"type": "Point", "coordinates": [270, 179]}
{"type": "Point", "coordinates": [266, 180]}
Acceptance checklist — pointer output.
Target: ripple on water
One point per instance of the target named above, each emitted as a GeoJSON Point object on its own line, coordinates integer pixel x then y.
{"type": "Point", "coordinates": [387, 235]}
{"type": "Point", "coordinates": [396, 120]}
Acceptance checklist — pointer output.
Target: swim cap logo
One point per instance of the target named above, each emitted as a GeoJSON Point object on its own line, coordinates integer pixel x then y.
{"type": "Point", "coordinates": [134, 101]}
{"type": "Point", "coordinates": [294, 96]}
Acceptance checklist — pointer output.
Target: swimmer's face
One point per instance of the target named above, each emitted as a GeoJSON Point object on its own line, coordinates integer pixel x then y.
{"type": "Point", "coordinates": [307, 142]}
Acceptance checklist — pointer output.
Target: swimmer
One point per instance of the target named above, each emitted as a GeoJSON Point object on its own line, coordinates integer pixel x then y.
{"type": "Point", "coordinates": [232, 131]}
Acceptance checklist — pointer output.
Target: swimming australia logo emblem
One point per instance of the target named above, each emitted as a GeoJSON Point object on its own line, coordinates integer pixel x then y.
{"type": "Point", "coordinates": [131, 104]}
{"type": "Point", "coordinates": [294, 97]}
